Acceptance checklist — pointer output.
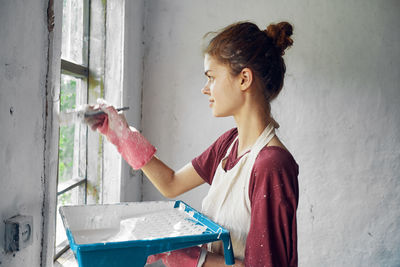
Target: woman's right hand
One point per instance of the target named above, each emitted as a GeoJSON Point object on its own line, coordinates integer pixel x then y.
{"type": "Point", "coordinates": [132, 146]}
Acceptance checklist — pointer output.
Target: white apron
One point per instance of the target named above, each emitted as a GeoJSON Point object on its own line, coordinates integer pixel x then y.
{"type": "Point", "coordinates": [227, 202]}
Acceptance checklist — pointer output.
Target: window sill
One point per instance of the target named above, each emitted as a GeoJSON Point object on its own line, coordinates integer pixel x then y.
{"type": "Point", "coordinates": [67, 259]}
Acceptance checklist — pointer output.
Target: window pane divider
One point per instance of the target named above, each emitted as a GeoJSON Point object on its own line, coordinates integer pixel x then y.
{"type": "Point", "coordinates": [68, 185]}
{"type": "Point", "coordinates": [70, 68]}
{"type": "Point", "coordinates": [64, 246]}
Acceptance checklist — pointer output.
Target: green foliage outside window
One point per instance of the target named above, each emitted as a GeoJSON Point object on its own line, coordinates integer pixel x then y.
{"type": "Point", "coordinates": [66, 142]}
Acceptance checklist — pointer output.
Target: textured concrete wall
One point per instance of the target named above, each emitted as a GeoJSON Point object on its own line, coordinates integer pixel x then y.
{"type": "Point", "coordinates": [339, 114]}
{"type": "Point", "coordinates": [23, 67]}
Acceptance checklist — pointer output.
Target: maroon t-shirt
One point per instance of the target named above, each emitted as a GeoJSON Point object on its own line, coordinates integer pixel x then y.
{"type": "Point", "coordinates": [273, 193]}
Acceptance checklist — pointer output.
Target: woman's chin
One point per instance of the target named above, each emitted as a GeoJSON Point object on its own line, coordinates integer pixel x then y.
{"type": "Point", "coordinates": [219, 114]}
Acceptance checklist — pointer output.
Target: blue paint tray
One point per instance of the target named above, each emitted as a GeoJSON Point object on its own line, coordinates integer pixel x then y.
{"type": "Point", "coordinates": [125, 234]}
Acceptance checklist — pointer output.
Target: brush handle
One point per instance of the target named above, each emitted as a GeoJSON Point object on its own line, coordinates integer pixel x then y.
{"type": "Point", "coordinates": [100, 112]}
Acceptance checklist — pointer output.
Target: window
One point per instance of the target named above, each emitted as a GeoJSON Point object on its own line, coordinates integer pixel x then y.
{"type": "Point", "coordinates": [89, 170]}
{"type": "Point", "coordinates": [80, 152]}
{"type": "Point", "coordinates": [72, 153]}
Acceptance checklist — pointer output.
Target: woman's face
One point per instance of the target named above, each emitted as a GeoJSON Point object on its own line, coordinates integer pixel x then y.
{"type": "Point", "coordinates": [223, 89]}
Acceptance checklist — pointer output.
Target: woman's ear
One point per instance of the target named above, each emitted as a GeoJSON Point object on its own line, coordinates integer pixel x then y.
{"type": "Point", "coordinates": [246, 79]}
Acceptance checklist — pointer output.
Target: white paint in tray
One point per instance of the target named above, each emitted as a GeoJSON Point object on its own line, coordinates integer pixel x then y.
{"type": "Point", "coordinates": [161, 224]}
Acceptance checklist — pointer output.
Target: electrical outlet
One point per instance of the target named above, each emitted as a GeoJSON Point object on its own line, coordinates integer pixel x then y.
{"type": "Point", "coordinates": [19, 231]}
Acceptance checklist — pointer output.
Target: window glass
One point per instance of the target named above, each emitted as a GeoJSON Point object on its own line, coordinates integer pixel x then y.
{"type": "Point", "coordinates": [72, 151]}
{"type": "Point", "coordinates": [74, 33]}
{"type": "Point", "coordinates": [66, 143]}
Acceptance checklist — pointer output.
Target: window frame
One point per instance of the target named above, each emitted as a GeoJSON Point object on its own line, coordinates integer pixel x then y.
{"type": "Point", "coordinates": [104, 71]}
{"type": "Point", "coordinates": [80, 71]}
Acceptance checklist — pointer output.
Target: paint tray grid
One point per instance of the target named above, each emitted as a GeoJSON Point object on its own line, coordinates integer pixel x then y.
{"type": "Point", "coordinates": [161, 224]}
{"type": "Point", "coordinates": [169, 223]}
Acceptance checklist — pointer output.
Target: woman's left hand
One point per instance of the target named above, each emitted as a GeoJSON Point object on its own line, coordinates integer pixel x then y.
{"type": "Point", "coordinates": [187, 257]}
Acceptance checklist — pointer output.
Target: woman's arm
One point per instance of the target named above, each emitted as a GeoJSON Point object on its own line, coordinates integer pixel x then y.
{"type": "Point", "coordinates": [272, 238]}
{"type": "Point", "coordinates": [169, 182]}
{"type": "Point", "coordinates": [140, 153]}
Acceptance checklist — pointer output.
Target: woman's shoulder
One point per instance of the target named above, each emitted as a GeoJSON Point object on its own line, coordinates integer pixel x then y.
{"type": "Point", "coordinates": [225, 140]}
{"type": "Point", "coordinates": [229, 135]}
{"type": "Point", "coordinates": [207, 162]}
{"type": "Point", "coordinates": [275, 158]}
{"type": "Point", "coordinates": [275, 168]}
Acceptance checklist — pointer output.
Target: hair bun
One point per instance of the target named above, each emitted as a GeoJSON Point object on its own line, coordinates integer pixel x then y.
{"type": "Point", "coordinates": [280, 34]}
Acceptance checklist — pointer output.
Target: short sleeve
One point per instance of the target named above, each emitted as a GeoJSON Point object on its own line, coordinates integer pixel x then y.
{"type": "Point", "coordinates": [207, 162]}
{"type": "Point", "coordinates": [273, 192]}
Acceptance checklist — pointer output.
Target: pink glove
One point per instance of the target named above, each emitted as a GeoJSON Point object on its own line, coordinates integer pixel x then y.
{"type": "Point", "coordinates": [132, 146]}
{"type": "Point", "coordinates": [187, 257]}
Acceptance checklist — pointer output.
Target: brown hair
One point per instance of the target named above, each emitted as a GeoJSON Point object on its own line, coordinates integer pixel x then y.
{"type": "Point", "coordinates": [243, 44]}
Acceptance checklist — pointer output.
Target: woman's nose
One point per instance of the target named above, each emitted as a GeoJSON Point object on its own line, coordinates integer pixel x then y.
{"type": "Point", "coordinates": [205, 90]}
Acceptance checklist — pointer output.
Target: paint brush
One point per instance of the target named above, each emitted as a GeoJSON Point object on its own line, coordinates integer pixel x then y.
{"type": "Point", "coordinates": [100, 112]}
{"type": "Point", "coordinates": [69, 117]}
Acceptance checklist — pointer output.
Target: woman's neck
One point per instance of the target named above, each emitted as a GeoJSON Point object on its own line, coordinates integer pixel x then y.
{"type": "Point", "coordinates": [250, 122]}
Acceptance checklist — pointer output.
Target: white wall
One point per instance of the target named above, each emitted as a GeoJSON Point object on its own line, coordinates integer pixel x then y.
{"type": "Point", "coordinates": [339, 114]}
{"type": "Point", "coordinates": [23, 68]}
{"type": "Point", "coordinates": [131, 181]}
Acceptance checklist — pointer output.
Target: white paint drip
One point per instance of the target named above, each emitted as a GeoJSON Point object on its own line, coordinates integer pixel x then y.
{"type": "Point", "coordinates": [219, 232]}
{"type": "Point", "coordinates": [181, 207]}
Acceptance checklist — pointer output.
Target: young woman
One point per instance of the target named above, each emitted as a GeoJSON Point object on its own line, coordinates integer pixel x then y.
{"type": "Point", "coordinates": [253, 177]}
